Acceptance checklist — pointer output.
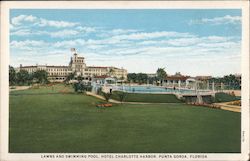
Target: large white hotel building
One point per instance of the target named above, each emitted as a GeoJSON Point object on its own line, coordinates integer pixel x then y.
{"type": "Point", "coordinates": [76, 65]}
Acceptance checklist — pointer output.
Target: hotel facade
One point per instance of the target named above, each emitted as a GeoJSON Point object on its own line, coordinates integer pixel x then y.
{"type": "Point", "coordinates": [78, 66]}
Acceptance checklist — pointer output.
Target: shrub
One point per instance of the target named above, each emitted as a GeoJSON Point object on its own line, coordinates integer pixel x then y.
{"type": "Point", "coordinates": [106, 96]}
{"type": "Point", "coordinates": [81, 88]}
{"type": "Point", "coordinates": [224, 97]}
{"type": "Point", "coordinates": [121, 95]}
{"type": "Point", "coordinates": [99, 91]}
{"type": "Point", "coordinates": [235, 103]}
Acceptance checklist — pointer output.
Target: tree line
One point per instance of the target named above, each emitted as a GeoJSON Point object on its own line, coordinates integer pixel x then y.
{"type": "Point", "coordinates": [23, 77]}
{"type": "Point", "coordinates": [143, 78]}
{"type": "Point", "coordinates": [230, 81]}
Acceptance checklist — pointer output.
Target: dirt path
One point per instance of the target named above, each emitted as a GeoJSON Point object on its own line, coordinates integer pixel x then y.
{"type": "Point", "coordinates": [226, 106]}
{"type": "Point", "coordinates": [114, 101]}
{"type": "Point", "coordinates": [100, 97]}
{"type": "Point", "coordinates": [236, 92]}
{"type": "Point", "coordinates": [18, 88]}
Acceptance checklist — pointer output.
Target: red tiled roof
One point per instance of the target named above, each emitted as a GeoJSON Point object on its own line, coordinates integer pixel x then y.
{"type": "Point", "coordinates": [28, 66]}
{"type": "Point", "coordinates": [177, 77]}
{"type": "Point", "coordinates": [203, 77]}
{"type": "Point", "coordinates": [96, 67]}
{"type": "Point", "coordinates": [50, 66]}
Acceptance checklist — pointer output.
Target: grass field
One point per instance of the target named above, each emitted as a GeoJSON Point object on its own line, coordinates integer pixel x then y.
{"type": "Point", "coordinates": [47, 123]}
{"type": "Point", "coordinates": [151, 98]}
{"type": "Point", "coordinates": [224, 97]}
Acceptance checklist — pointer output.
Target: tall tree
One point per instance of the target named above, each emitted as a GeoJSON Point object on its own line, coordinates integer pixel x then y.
{"type": "Point", "coordinates": [12, 76]}
{"type": "Point", "coordinates": [41, 76]}
{"type": "Point", "coordinates": [230, 81]}
{"type": "Point", "coordinates": [106, 95]}
{"type": "Point", "coordinates": [70, 77]}
{"type": "Point", "coordinates": [132, 77]}
{"type": "Point", "coordinates": [111, 72]}
{"type": "Point", "coordinates": [161, 74]}
{"type": "Point", "coordinates": [142, 78]}
{"type": "Point", "coordinates": [23, 77]}
{"type": "Point", "coordinates": [79, 78]}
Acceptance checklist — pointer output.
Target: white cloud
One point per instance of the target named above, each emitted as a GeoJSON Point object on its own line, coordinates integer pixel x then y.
{"type": "Point", "coordinates": [21, 32]}
{"type": "Point", "coordinates": [122, 31]}
{"type": "Point", "coordinates": [64, 33]}
{"type": "Point", "coordinates": [58, 24]}
{"type": "Point", "coordinates": [69, 43]}
{"type": "Point", "coordinates": [85, 29]}
{"type": "Point", "coordinates": [18, 27]}
{"type": "Point", "coordinates": [151, 35]}
{"type": "Point", "coordinates": [177, 51]}
{"type": "Point", "coordinates": [89, 42]}
{"type": "Point", "coordinates": [217, 20]}
{"type": "Point", "coordinates": [23, 18]}
{"type": "Point", "coordinates": [36, 21]}
{"type": "Point", "coordinates": [27, 44]}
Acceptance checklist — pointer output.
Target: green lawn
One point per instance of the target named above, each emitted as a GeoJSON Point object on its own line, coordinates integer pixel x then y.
{"type": "Point", "coordinates": [224, 97]}
{"type": "Point", "coordinates": [61, 123]}
{"type": "Point", "coordinates": [56, 89]}
{"type": "Point", "coordinates": [150, 98]}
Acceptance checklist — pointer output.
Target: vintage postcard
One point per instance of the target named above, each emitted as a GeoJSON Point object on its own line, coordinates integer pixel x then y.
{"type": "Point", "coordinates": [124, 80]}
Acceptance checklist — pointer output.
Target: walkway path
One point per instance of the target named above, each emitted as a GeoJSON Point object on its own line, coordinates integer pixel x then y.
{"type": "Point", "coordinates": [18, 88]}
{"type": "Point", "coordinates": [101, 97]}
{"type": "Point", "coordinates": [226, 106]}
{"type": "Point", "coordinates": [223, 106]}
{"type": "Point", "coordinates": [114, 101]}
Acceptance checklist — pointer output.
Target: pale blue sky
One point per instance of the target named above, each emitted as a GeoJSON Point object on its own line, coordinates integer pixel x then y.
{"type": "Point", "coordinates": [193, 42]}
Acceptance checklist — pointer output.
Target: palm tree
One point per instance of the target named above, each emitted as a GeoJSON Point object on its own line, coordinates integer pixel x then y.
{"type": "Point", "coordinates": [111, 72]}
{"type": "Point", "coordinates": [70, 77]}
{"type": "Point", "coordinates": [161, 74]}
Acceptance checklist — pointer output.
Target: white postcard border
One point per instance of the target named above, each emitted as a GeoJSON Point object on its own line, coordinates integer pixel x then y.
{"type": "Point", "coordinates": [6, 6]}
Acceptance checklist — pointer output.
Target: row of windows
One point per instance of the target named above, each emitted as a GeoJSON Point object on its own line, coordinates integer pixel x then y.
{"type": "Point", "coordinates": [79, 61]}
{"type": "Point", "coordinates": [175, 81]}
{"type": "Point", "coordinates": [78, 66]}
{"type": "Point", "coordinates": [96, 70]}
{"type": "Point", "coordinates": [58, 73]}
{"type": "Point", "coordinates": [58, 78]}
{"type": "Point", "coordinates": [90, 71]}
{"type": "Point", "coordinates": [58, 69]}
{"type": "Point", "coordinates": [49, 69]}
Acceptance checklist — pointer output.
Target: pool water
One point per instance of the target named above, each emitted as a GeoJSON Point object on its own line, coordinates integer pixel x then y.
{"type": "Point", "coordinates": [152, 89]}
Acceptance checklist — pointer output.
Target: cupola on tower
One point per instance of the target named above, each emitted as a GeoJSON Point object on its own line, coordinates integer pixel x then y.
{"type": "Point", "coordinates": [77, 63]}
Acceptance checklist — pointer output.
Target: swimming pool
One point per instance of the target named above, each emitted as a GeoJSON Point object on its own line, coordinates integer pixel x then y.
{"type": "Point", "coordinates": [151, 89]}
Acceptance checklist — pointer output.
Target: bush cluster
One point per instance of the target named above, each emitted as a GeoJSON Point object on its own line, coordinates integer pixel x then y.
{"type": "Point", "coordinates": [81, 87]}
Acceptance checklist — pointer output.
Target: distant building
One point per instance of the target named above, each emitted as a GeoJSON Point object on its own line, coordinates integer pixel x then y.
{"type": "Point", "coordinates": [76, 65]}
{"type": "Point", "coordinates": [151, 75]}
{"type": "Point", "coordinates": [203, 78]}
{"type": "Point", "coordinates": [176, 80]}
